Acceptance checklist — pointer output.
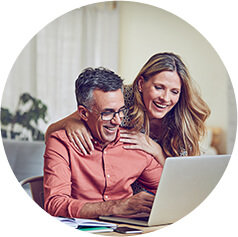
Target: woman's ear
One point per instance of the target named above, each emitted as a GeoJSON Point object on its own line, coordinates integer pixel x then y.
{"type": "Point", "coordinates": [140, 83]}
{"type": "Point", "coordinates": [83, 113]}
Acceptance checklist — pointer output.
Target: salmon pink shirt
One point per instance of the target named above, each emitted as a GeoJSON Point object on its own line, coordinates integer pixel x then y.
{"type": "Point", "coordinates": [72, 179]}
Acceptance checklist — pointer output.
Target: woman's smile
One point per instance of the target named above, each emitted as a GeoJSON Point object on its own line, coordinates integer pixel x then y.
{"type": "Point", "coordinates": [160, 105]}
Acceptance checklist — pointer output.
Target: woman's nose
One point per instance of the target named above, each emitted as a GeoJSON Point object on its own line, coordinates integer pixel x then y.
{"type": "Point", "coordinates": [165, 96]}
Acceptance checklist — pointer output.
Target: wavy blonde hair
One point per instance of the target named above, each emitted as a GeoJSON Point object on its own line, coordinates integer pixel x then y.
{"type": "Point", "coordinates": [185, 122]}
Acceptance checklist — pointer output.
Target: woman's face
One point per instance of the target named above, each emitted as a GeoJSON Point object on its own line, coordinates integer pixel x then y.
{"type": "Point", "coordinates": [160, 93]}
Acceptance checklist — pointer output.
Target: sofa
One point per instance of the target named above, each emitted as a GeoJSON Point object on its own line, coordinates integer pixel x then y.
{"type": "Point", "coordinates": [25, 158]}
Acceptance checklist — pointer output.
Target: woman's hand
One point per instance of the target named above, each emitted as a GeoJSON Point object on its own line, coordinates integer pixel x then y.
{"type": "Point", "coordinates": [79, 134]}
{"type": "Point", "coordinates": [76, 130]}
{"type": "Point", "coordinates": [140, 141]}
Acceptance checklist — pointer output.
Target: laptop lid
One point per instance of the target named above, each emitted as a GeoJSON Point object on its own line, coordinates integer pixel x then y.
{"type": "Point", "coordinates": [185, 182]}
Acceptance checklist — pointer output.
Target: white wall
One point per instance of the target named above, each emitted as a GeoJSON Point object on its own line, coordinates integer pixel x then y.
{"type": "Point", "coordinates": [146, 30]}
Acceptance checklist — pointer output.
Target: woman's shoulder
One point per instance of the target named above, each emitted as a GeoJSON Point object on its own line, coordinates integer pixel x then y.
{"type": "Point", "coordinates": [128, 95]}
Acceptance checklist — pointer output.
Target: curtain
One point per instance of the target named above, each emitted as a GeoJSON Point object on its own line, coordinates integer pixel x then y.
{"type": "Point", "coordinates": [50, 63]}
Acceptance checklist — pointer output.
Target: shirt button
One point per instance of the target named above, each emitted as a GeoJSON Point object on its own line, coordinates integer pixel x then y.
{"type": "Point", "coordinates": [108, 175]}
{"type": "Point", "coordinates": [106, 196]}
{"type": "Point", "coordinates": [105, 152]}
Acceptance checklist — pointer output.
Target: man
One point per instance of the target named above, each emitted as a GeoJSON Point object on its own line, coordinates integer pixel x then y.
{"type": "Point", "coordinates": [82, 186]}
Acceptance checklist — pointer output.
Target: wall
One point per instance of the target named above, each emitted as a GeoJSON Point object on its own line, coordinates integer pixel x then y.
{"type": "Point", "coordinates": [146, 30]}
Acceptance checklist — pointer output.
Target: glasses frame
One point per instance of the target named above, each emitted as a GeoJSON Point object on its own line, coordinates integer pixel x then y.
{"type": "Point", "coordinates": [109, 112]}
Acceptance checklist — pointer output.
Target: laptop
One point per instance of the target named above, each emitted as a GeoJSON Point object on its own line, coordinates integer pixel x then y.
{"type": "Point", "coordinates": [185, 182]}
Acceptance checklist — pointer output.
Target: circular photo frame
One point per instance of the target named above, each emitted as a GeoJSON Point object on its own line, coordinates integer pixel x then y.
{"type": "Point", "coordinates": [120, 36]}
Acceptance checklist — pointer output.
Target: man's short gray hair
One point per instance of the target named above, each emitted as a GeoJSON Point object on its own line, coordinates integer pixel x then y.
{"type": "Point", "coordinates": [91, 79]}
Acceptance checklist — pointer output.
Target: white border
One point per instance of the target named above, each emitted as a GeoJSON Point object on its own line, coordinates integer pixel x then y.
{"type": "Point", "coordinates": [215, 20]}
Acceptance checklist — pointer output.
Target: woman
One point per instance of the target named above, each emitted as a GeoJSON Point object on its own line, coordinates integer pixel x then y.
{"type": "Point", "coordinates": [166, 117]}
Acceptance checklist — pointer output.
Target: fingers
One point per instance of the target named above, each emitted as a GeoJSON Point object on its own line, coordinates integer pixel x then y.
{"type": "Point", "coordinates": [140, 202]}
{"type": "Point", "coordinates": [132, 147]}
{"type": "Point", "coordinates": [144, 209]}
{"type": "Point", "coordinates": [132, 141]}
{"type": "Point", "coordinates": [132, 137]}
{"type": "Point", "coordinates": [78, 143]}
{"type": "Point", "coordinates": [127, 133]}
{"type": "Point", "coordinates": [89, 145]}
{"type": "Point", "coordinates": [146, 196]}
{"type": "Point", "coordinates": [85, 139]}
{"type": "Point", "coordinates": [143, 202]}
{"type": "Point", "coordinates": [82, 142]}
{"type": "Point", "coordinates": [129, 138]}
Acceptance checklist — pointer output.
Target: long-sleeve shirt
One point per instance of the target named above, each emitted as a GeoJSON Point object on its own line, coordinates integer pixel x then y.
{"type": "Point", "coordinates": [72, 179]}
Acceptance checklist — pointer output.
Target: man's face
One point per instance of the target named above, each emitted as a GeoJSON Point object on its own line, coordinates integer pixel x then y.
{"type": "Point", "coordinates": [112, 101]}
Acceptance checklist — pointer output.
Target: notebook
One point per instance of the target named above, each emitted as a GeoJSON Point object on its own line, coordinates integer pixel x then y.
{"type": "Point", "coordinates": [185, 182]}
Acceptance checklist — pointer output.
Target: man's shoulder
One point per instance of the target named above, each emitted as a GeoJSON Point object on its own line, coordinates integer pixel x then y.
{"type": "Point", "coordinates": [60, 135]}
{"type": "Point", "coordinates": [133, 152]}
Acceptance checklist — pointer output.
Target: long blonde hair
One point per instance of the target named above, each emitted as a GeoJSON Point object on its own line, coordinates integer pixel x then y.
{"type": "Point", "coordinates": [184, 124]}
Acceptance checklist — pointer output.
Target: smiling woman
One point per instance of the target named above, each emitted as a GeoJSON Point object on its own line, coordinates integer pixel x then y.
{"type": "Point", "coordinates": [172, 114]}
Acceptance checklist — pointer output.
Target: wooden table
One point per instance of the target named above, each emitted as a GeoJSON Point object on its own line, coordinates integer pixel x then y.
{"type": "Point", "coordinates": [144, 229]}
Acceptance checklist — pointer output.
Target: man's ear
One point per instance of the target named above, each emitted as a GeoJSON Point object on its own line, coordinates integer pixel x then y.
{"type": "Point", "coordinates": [83, 113]}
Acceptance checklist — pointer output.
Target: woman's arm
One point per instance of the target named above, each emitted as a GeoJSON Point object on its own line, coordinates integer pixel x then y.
{"type": "Point", "coordinates": [77, 132]}
{"type": "Point", "coordinates": [59, 125]}
{"type": "Point", "coordinates": [138, 140]}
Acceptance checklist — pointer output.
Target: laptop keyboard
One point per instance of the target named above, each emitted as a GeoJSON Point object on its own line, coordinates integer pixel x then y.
{"type": "Point", "coordinates": [141, 218]}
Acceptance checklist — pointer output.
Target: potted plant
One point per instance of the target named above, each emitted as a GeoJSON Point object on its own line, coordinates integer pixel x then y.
{"type": "Point", "coordinates": [24, 122]}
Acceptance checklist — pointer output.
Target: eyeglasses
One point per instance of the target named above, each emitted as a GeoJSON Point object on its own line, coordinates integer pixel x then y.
{"type": "Point", "coordinates": [109, 115]}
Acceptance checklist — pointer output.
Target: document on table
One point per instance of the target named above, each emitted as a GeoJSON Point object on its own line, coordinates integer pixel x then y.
{"type": "Point", "coordinates": [88, 224]}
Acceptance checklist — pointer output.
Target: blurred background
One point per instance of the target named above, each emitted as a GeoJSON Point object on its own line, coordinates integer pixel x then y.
{"type": "Point", "coordinates": [121, 36]}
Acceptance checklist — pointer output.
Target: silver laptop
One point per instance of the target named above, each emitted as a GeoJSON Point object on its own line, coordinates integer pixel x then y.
{"type": "Point", "coordinates": [185, 182]}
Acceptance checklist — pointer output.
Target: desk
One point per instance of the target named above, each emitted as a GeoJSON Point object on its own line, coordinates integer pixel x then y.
{"type": "Point", "coordinates": [143, 228]}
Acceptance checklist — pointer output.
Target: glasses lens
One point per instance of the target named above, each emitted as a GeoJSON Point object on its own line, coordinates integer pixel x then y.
{"type": "Point", "coordinates": [107, 116]}
{"type": "Point", "coordinates": [110, 115]}
{"type": "Point", "coordinates": [122, 113]}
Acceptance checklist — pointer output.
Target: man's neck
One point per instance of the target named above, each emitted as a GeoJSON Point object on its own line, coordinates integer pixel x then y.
{"type": "Point", "coordinates": [105, 144]}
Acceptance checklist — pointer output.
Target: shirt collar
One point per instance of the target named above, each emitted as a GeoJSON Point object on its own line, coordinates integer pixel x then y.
{"type": "Point", "coordinates": [97, 144]}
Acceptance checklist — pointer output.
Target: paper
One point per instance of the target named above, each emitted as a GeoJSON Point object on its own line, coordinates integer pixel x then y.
{"type": "Point", "coordinates": [78, 222]}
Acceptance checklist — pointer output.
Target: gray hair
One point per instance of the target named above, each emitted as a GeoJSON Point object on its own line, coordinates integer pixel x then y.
{"type": "Point", "coordinates": [91, 79]}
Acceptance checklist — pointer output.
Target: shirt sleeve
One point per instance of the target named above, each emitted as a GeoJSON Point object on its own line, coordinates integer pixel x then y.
{"type": "Point", "coordinates": [150, 177]}
{"type": "Point", "coordinates": [57, 181]}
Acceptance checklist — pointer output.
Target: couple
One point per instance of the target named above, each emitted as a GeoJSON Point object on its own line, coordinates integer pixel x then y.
{"type": "Point", "coordinates": [163, 104]}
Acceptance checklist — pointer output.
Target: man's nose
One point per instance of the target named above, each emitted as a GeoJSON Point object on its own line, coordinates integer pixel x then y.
{"type": "Point", "coordinates": [116, 119]}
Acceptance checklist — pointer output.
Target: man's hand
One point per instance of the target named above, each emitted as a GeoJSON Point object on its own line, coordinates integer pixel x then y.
{"type": "Point", "coordinates": [140, 202]}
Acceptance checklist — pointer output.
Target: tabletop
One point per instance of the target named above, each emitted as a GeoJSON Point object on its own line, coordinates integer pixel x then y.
{"type": "Point", "coordinates": [143, 228]}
